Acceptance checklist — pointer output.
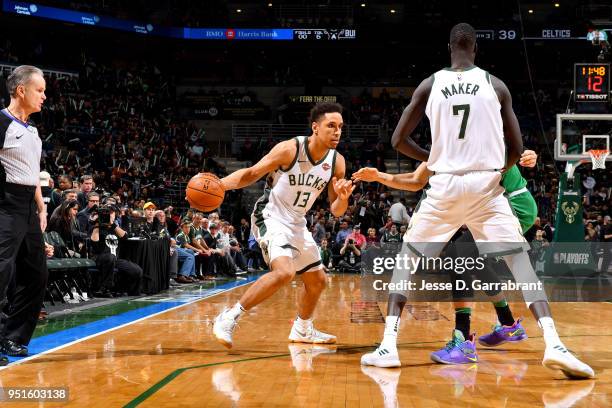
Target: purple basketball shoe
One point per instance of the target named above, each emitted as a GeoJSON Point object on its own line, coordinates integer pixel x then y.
{"type": "Point", "coordinates": [457, 351]}
{"type": "Point", "coordinates": [502, 334]}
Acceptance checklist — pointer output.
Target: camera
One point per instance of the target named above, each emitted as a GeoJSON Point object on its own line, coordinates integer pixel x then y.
{"type": "Point", "coordinates": [351, 241]}
{"type": "Point", "coordinates": [103, 214]}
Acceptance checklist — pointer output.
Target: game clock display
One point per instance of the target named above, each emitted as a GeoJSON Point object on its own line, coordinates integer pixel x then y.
{"type": "Point", "coordinates": [592, 82]}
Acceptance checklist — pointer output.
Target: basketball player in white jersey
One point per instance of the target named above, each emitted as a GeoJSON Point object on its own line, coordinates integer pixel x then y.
{"type": "Point", "coordinates": [470, 114]}
{"type": "Point", "coordinates": [298, 171]}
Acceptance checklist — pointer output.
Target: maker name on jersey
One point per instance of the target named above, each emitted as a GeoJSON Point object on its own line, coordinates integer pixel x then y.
{"type": "Point", "coordinates": [461, 88]}
{"type": "Point", "coordinates": [309, 180]}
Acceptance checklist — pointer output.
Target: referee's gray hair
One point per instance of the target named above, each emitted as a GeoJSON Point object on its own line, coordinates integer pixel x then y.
{"type": "Point", "coordinates": [21, 76]}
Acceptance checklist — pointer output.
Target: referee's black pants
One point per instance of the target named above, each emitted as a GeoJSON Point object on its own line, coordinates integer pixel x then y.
{"type": "Point", "coordinates": [23, 265]}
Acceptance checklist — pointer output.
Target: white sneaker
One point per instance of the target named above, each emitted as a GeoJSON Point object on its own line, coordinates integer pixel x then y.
{"type": "Point", "coordinates": [223, 328]}
{"type": "Point", "coordinates": [310, 335]}
{"type": "Point", "coordinates": [382, 357]}
{"type": "Point", "coordinates": [558, 357]}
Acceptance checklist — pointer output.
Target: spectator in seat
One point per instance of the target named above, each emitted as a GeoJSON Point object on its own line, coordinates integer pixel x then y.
{"type": "Point", "coordinates": [351, 256]}
{"type": "Point", "coordinates": [64, 222]}
{"type": "Point", "coordinates": [171, 224]}
{"type": "Point", "coordinates": [129, 274]}
{"type": "Point", "coordinates": [223, 243]}
{"type": "Point", "coordinates": [87, 184]}
{"type": "Point", "coordinates": [223, 262]}
{"type": "Point", "coordinates": [357, 236]}
{"type": "Point", "coordinates": [341, 236]}
{"type": "Point", "coordinates": [319, 231]}
{"type": "Point", "coordinates": [70, 194]}
{"type": "Point", "coordinates": [326, 256]}
{"type": "Point", "coordinates": [392, 236]}
{"type": "Point", "coordinates": [196, 233]}
{"type": "Point", "coordinates": [235, 249]}
{"type": "Point", "coordinates": [93, 200]}
{"type": "Point", "coordinates": [151, 226]}
{"type": "Point", "coordinates": [372, 239]}
{"type": "Point", "coordinates": [57, 195]}
{"type": "Point", "coordinates": [256, 261]}
{"type": "Point", "coordinates": [386, 227]}
{"type": "Point", "coordinates": [183, 240]}
{"type": "Point", "coordinates": [243, 233]}
{"type": "Point", "coordinates": [178, 256]}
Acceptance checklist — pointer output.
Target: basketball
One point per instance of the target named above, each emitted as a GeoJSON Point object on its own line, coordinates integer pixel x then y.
{"type": "Point", "coordinates": [204, 192]}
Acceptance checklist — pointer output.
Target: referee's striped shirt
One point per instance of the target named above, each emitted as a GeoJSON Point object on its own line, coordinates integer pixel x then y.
{"type": "Point", "coordinates": [20, 150]}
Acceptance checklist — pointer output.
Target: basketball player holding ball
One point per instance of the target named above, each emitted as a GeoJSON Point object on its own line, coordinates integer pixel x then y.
{"type": "Point", "coordinates": [298, 171]}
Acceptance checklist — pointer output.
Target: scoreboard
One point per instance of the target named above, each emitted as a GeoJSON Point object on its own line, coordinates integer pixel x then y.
{"type": "Point", "coordinates": [324, 34]}
{"type": "Point", "coordinates": [592, 82]}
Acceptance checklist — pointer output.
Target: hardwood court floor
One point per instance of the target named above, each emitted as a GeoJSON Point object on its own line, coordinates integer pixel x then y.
{"type": "Point", "coordinates": [171, 360]}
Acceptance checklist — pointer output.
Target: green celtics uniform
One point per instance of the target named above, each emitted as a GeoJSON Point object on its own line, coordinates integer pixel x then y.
{"type": "Point", "coordinates": [520, 198]}
{"type": "Point", "coordinates": [182, 239]}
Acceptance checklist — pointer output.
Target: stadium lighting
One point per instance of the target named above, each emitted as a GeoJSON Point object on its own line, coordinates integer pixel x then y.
{"type": "Point", "coordinates": [363, 4]}
{"type": "Point", "coordinates": [269, 4]}
{"type": "Point", "coordinates": [392, 11]}
{"type": "Point", "coordinates": [530, 11]}
{"type": "Point", "coordinates": [238, 10]}
{"type": "Point", "coordinates": [557, 4]}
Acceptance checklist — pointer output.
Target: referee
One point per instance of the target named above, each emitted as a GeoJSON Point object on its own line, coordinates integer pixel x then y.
{"type": "Point", "coordinates": [23, 266]}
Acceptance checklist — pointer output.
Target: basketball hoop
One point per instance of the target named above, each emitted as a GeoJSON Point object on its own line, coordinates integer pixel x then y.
{"type": "Point", "coordinates": [598, 158]}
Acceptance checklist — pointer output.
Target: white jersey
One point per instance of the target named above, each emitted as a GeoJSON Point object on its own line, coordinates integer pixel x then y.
{"type": "Point", "coordinates": [466, 124]}
{"type": "Point", "coordinates": [290, 194]}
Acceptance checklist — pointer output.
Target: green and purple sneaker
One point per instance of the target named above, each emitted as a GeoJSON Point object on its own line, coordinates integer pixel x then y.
{"type": "Point", "coordinates": [457, 351]}
{"type": "Point", "coordinates": [502, 334]}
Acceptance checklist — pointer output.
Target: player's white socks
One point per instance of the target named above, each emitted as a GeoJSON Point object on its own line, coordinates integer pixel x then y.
{"type": "Point", "coordinates": [303, 324]}
{"type": "Point", "coordinates": [551, 337]}
{"type": "Point", "coordinates": [236, 311]}
{"type": "Point", "coordinates": [391, 331]}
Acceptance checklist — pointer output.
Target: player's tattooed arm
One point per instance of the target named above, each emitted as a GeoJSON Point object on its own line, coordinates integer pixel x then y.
{"type": "Point", "coordinates": [414, 181]}
{"type": "Point", "coordinates": [339, 189]}
{"type": "Point", "coordinates": [411, 117]}
{"type": "Point", "coordinates": [529, 158]}
{"type": "Point", "coordinates": [512, 130]}
{"type": "Point", "coordinates": [280, 157]}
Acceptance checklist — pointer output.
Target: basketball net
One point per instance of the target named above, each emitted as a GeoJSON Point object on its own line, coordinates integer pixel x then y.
{"type": "Point", "coordinates": [598, 158]}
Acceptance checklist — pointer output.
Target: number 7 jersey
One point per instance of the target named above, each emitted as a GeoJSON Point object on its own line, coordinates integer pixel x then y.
{"type": "Point", "coordinates": [289, 194]}
{"type": "Point", "coordinates": [466, 123]}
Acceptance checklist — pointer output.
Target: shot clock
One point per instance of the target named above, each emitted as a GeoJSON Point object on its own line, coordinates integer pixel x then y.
{"type": "Point", "coordinates": [592, 82]}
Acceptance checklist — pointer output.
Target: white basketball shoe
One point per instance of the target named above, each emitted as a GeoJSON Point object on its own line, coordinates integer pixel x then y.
{"type": "Point", "coordinates": [558, 357]}
{"type": "Point", "coordinates": [385, 357]}
{"type": "Point", "coordinates": [223, 328]}
{"type": "Point", "coordinates": [308, 334]}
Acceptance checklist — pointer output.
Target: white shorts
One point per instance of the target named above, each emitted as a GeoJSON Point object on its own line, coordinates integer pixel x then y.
{"type": "Point", "coordinates": [277, 239]}
{"type": "Point", "coordinates": [475, 199]}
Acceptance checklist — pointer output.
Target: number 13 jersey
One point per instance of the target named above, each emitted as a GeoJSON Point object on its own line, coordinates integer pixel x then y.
{"type": "Point", "coordinates": [466, 123]}
{"type": "Point", "coordinates": [290, 193]}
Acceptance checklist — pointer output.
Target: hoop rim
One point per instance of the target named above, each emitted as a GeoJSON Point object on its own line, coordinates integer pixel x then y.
{"type": "Point", "coordinates": [598, 152]}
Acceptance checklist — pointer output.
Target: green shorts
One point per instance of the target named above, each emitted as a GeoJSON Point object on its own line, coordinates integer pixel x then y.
{"type": "Point", "coordinates": [525, 208]}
